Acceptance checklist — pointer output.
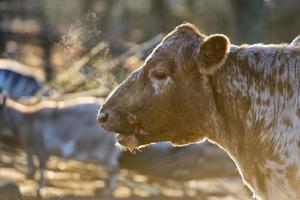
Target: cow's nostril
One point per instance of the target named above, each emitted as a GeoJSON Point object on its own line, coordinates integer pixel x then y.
{"type": "Point", "coordinates": [102, 117]}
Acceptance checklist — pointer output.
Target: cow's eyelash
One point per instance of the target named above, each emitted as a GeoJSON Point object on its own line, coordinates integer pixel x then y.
{"type": "Point", "coordinates": [159, 74]}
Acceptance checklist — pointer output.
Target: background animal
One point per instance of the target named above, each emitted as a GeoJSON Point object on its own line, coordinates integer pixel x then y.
{"type": "Point", "coordinates": [19, 80]}
{"type": "Point", "coordinates": [65, 129]}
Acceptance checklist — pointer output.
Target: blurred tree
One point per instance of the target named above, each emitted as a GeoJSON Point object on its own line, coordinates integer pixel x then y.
{"type": "Point", "coordinates": [107, 14]}
{"type": "Point", "coordinates": [34, 10]}
{"type": "Point", "coordinates": [279, 13]}
{"type": "Point", "coordinates": [114, 25]}
{"type": "Point", "coordinates": [2, 41]}
{"type": "Point", "coordinates": [160, 18]}
{"type": "Point", "coordinates": [87, 6]}
{"type": "Point", "coordinates": [250, 20]}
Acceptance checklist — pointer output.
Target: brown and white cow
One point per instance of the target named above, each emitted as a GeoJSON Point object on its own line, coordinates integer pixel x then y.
{"type": "Point", "coordinates": [244, 98]}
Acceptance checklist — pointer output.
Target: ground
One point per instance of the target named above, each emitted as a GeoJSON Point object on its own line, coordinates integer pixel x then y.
{"type": "Point", "coordinates": [68, 180]}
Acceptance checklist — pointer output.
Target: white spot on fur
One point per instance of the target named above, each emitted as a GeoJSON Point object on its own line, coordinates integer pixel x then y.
{"type": "Point", "coordinates": [168, 82]}
{"type": "Point", "coordinates": [161, 86]}
{"type": "Point", "coordinates": [156, 87]}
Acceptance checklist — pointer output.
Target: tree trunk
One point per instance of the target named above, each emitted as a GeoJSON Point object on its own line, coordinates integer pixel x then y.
{"type": "Point", "coordinates": [250, 20]}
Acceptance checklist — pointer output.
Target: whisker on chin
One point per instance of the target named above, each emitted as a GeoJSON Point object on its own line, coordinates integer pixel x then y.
{"type": "Point", "coordinates": [138, 149]}
{"type": "Point", "coordinates": [131, 150]}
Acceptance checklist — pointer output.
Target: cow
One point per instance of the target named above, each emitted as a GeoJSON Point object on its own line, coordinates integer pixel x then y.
{"type": "Point", "coordinates": [66, 129]}
{"type": "Point", "coordinates": [245, 99]}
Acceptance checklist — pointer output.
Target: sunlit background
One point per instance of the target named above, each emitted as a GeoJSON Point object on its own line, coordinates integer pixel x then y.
{"type": "Point", "coordinates": [63, 49]}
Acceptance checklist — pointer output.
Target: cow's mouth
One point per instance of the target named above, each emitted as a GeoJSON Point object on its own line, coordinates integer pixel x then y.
{"type": "Point", "coordinates": [134, 140]}
{"type": "Point", "coordinates": [128, 141]}
{"type": "Point", "coordinates": [131, 135]}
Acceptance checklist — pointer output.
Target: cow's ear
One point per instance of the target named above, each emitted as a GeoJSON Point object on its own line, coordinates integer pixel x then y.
{"type": "Point", "coordinates": [213, 52]}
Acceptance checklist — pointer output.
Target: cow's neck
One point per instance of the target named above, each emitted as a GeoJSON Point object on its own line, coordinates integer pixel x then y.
{"type": "Point", "coordinates": [256, 98]}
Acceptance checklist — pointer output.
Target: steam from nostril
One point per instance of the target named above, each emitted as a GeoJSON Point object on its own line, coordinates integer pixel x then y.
{"type": "Point", "coordinates": [102, 117]}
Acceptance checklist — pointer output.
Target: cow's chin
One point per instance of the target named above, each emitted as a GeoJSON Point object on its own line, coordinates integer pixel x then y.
{"type": "Point", "coordinates": [136, 139]}
{"type": "Point", "coordinates": [127, 141]}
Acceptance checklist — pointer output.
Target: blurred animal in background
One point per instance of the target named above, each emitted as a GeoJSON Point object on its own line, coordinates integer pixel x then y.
{"type": "Point", "coordinates": [67, 129]}
{"type": "Point", "coordinates": [19, 80]}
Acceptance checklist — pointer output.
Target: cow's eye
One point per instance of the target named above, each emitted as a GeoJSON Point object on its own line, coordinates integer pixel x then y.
{"type": "Point", "coordinates": [158, 74]}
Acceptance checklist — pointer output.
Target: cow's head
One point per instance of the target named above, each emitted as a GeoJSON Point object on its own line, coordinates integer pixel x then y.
{"type": "Point", "coordinates": [168, 98]}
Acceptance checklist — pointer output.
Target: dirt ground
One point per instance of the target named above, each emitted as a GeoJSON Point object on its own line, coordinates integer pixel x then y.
{"type": "Point", "coordinates": [72, 180]}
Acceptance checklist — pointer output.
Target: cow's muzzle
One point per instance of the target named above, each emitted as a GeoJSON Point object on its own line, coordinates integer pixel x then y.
{"type": "Point", "coordinates": [117, 122]}
{"type": "Point", "coordinates": [102, 117]}
{"type": "Point", "coordinates": [125, 126]}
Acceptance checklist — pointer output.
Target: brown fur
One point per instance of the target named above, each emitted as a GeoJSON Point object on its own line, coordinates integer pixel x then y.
{"type": "Point", "coordinates": [227, 102]}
